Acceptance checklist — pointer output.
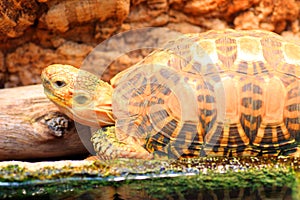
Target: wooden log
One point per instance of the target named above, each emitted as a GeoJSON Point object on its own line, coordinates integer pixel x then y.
{"type": "Point", "coordinates": [31, 127]}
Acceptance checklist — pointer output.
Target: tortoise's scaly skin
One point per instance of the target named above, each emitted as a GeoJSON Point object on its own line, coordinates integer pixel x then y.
{"type": "Point", "coordinates": [227, 93]}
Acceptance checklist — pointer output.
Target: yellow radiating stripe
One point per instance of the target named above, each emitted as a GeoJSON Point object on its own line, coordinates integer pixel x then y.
{"type": "Point", "coordinates": [247, 123]}
{"type": "Point", "coordinates": [243, 135]}
{"type": "Point", "coordinates": [260, 134]}
{"type": "Point", "coordinates": [294, 126]}
{"type": "Point", "coordinates": [286, 134]}
{"type": "Point", "coordinates": [291, 101]}
{"type": "Point", "coordinates": [274, 137]}
{"type": "Point", "coordinates": [225, 136]}
{"type": "Point", "coordinates": [211, 133]}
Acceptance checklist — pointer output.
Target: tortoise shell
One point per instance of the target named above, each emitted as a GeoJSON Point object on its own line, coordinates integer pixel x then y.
{"type": "Point", "coordinates": [216, 93]}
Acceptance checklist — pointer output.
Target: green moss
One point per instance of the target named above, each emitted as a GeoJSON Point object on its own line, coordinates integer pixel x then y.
{"type": "Point", "coordinates": [158, 179]}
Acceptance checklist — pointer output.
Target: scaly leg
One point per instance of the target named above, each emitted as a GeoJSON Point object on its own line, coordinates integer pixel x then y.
{"type": "Point", "coordinates": [107, 146]}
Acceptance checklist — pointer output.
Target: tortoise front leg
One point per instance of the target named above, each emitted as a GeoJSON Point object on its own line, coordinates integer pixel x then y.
{"type": "Point", "coordinates": [107, 146]}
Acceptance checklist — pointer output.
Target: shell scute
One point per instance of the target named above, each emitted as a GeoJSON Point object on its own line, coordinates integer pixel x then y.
{"type": "Point", "coordinates": [221, 93]}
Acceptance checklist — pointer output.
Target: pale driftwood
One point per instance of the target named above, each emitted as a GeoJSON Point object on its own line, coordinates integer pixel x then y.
{"type": "Point", "coordinates": [32, 127]}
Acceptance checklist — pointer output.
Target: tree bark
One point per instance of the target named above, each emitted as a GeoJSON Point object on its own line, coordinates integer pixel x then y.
{"type": "Point", "coordinates": [32, 127]}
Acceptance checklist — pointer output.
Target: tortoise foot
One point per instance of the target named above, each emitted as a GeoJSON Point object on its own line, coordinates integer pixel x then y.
{"type": "Point", "coordinates": [107, 146]}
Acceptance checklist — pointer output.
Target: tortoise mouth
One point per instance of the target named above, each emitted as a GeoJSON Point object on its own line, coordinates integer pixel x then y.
{"type": "Point", "coordinates": [47, 92]}
{"type": "Point", "coordinates": [59, 101]}
{"type": "Point", "coordinates": [47, 85]}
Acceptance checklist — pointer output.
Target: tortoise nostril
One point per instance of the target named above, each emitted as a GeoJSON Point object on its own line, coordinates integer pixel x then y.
{"type": "Point", "coordinates": [59, 84]}
{"type": "Point", "coordinates": [46, 82]}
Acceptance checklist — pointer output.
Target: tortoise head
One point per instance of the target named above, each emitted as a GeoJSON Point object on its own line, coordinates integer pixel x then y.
{"type": "Point", "coordinates": [79, 94]}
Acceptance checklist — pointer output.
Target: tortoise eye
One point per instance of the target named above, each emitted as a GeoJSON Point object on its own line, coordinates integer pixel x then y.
{"type": "Point", "coordinates": [59, 84]}
{"type": "Point", "coordinates": [81, 99]}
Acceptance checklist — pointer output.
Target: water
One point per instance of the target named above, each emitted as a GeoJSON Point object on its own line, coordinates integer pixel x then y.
{"type": "Point", "coordinates": [93, 188]}
{"type": "Point", "coordinates": [205, 178]}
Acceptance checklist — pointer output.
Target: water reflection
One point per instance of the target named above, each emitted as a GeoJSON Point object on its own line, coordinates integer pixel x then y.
{"type": "Point", "coordinates": [124, 192]}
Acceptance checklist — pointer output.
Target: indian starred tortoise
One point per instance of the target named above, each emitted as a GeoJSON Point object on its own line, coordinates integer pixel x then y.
{"type": "Point", "coordinates": [219, 93]}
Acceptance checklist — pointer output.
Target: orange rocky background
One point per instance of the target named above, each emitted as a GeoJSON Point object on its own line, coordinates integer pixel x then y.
{"type": "Point", "coordinates": [37, 33]}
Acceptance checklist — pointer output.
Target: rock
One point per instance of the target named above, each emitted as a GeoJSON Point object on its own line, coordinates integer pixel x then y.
{"type": "Point", "coordinates": [32, 36]}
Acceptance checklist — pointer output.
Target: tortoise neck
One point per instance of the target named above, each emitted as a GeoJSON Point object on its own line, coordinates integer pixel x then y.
{"type": "Point", "coordinates": [103, 106]}
{"type": "Point", "coordinates": [105, 115]}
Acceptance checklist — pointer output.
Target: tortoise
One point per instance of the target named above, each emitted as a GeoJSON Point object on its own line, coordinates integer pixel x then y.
{"type": "Point", "coordinates": [217, 93]}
